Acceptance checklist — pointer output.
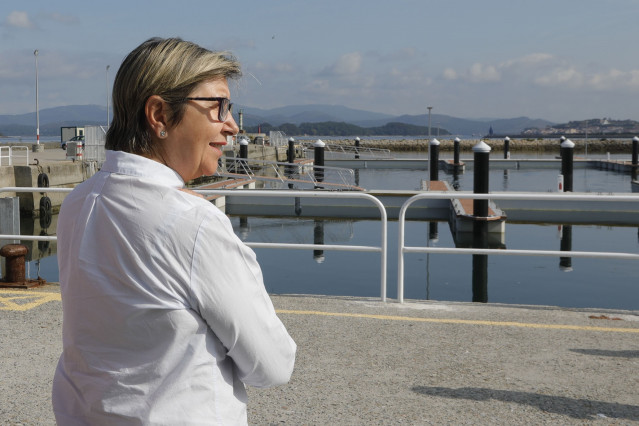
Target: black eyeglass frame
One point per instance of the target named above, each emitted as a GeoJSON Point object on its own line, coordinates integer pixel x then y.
{"type": "Point", "coordinates": [225, 107]}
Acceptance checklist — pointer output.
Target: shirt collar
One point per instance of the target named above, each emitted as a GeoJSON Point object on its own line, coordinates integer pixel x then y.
{"type": "Point", "coordinates": [136, 165]}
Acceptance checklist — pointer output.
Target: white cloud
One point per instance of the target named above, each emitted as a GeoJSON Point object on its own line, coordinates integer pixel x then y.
{"type": "Point", "coordinates": [481, 73]}
{"type": "Point", "coordinates": [545, 70]}
{"type": "Point", "coordinates": [19, 19]}
{"type": "Point", "coordinates": [346, 65]}
{"type": "Point", "coordinates": [450, 74]}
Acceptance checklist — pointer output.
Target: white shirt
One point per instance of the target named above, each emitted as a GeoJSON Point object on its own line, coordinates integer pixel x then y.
{"type": "Point", "coordinates": [165, 312]}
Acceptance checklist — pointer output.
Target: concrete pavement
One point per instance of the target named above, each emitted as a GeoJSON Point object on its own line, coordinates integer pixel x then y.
{"type": "Point", "coordinates": [361, 361]}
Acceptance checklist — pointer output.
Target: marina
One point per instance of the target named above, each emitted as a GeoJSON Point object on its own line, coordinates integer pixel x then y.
{"type": "Point", "coordinates": [604, 226]}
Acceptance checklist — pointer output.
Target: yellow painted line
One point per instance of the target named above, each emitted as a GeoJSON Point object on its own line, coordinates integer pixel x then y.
{"type": "Point", "coordinates": [460, 321]}
{"type": "Point", "coordinates": [12, 300]}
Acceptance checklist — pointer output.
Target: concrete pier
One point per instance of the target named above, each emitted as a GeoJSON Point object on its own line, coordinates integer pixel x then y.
{"type": "Point", "coordinates": [361, 361]}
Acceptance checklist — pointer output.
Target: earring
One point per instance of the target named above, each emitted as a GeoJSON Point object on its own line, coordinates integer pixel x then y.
{"type": "Point", "coordinates": [163, 134]}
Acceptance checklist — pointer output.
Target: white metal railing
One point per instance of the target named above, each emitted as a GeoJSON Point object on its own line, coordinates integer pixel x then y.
{"type": "Point", "coordinates": [277, 138]}
{"type": "Point", "coordinates": [499, 196]}
{"type": "Point", "coordinates": [348, 151]}
{"type": "Point", "coordinates": [382, 248]}
{"type": "Point", "coordinates": [332, 177]}
{"type": "Point", "coordinates": [94, 138]}
{"type": "Point", "coordinates": [10, 154]}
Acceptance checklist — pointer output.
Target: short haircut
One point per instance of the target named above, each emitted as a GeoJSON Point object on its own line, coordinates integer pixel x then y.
{"type": "Point", "coordinates": [170, 68]}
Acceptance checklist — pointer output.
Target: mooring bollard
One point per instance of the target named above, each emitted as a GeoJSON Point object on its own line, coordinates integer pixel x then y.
{"type": "Point", "coordinates": [456, 151]}
{"type": "Point", "coordinates": [480, 178]}
{"type": "Point", "coordinates": [15, 264]}
{"type": "Point", "coordinates": [290, 155]}
{"type": "Point", "coordinates": [567, 151]}
{"type": "Point", "coordinates": [318, 161]}
{"type": "Point", "coordinates": [243, 148]}
{"type": "Point", "coordinates": [434, 160]}
{"type": "Point", "coordinates": [506, 147]}
{"type": "Point", "coordinates": [357, 147]}
{"type": "Point", "coordinates": [243, 155]}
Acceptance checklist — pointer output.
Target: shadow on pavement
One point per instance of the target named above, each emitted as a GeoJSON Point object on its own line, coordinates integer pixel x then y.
{"type": "Point", "coordinates": [575, 408]}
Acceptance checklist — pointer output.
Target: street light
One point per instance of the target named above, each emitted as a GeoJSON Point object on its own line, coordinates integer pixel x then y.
{"type": "Point", "coordinates": [35, 53]}
{"type": "Point", "coordinates": [429, 109]}
{"type": "Point", "coordinates": [107, 92]}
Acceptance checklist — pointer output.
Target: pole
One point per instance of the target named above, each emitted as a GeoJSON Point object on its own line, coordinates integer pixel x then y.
{"type": "Point", "coordinates": [480, 178]}
{"type": "Point", "coordinates": [429, 109]}
{"type": "Point", "coordinates": [456, 151]}
{"type": "Point", "coordinates": [434, 160]}
{"type": "Point", "coordinates": [318, 160]}
{"type": "Point", "coordinates": [567, 152]}
{"type": "Point", "coordinates": [506, 147]}
{"type": "Point", "coordinates": [35, 53]}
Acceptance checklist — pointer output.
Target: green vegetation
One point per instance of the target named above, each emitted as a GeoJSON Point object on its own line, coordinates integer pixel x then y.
{"type": "Point", "coordinates": [333, 128]}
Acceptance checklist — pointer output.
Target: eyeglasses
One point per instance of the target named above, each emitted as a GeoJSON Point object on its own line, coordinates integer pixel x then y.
{"type": "Point", "coordinates": [225, 105]}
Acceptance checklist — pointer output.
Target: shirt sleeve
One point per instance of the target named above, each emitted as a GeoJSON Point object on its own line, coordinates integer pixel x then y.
{"type": "Point", "coordinates": [229, 294]}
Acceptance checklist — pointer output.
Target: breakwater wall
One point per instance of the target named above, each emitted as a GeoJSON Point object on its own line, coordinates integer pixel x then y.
{"type": "Point", "coordinates": [497, 145]}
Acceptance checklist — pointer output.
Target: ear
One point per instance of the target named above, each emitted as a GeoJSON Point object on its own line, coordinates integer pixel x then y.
{"type": "Point", "coordinates": [155, 112]}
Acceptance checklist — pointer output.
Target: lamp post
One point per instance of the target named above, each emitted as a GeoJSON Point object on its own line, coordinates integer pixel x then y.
{"type": "Point", "coordinates": [429, 109]}
{"type": "Point", "coordinates": [35, 53]}
{"type": "Point", "coordinates": [107, 92]}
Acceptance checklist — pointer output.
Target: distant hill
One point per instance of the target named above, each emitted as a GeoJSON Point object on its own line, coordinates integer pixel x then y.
{"type": "Point", "coordinates": [51, 119]}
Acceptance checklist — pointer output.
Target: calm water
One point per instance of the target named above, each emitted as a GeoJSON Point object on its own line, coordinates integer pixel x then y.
{"type": "Point", "coordinates": [510, 279]}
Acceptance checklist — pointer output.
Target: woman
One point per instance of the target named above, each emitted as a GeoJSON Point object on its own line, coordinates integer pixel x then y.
{"type": "Point", "coordinates": [165, 312]}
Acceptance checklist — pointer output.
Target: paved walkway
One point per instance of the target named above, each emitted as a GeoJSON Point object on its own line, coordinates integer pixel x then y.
{"type": "Point", "coordinates": [361, 361]}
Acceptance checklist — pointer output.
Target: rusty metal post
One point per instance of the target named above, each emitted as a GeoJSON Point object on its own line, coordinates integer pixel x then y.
{"type": "Point", "coordinates": [15, 264]}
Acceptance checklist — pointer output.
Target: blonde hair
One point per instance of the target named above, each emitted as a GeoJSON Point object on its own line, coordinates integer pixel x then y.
{"type": "Point", "coordinates": [171, 68]}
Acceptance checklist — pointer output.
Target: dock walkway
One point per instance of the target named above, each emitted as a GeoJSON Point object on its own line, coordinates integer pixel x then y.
{"type": "Point", "coordinates": [361, 361]}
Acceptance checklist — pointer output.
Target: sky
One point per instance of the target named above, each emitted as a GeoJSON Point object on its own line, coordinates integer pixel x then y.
{"type": "Point", "coordinates": [558, 60]}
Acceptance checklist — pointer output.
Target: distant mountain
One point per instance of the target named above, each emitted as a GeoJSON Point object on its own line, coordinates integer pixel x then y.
{"type": "Point", "coordinates": [51, 119]}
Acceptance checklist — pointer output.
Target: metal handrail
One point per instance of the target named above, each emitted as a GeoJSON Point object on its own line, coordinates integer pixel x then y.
{"type": "Point", "coordinates": [499, 196]}
{"type": "Point", "coordinates": [11, 155]}
{"type": "Point", "coordinates": [382, 248]}
{"type": "Point", "coordinates": [344, 176]}
{"type": "Point", "coordinates": [351, 150]}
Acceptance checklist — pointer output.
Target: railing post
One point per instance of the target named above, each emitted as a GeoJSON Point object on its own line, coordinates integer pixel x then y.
{"type": "Point", "coordinates": [357, 147]}
{"type": "Point", "coordinates": [434, 160]}
{"type": "Point", "coordinates": [506, 147]}
{"type": "Point", "coordinates": [456, 151]}
{"type": "Point", "coordinates": [318, 161]}
{"type": "Point", "coordinates": [480, 178]}
{"type": "Point", "coordinates": [567, 152]}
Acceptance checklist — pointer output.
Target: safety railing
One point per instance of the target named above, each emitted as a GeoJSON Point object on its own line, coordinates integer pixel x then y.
{"type": "Point", "coordinates": [348, 151]}
{"type": "Point", "coordinates": [382, 248]}
{"type": "Point", "coordinates": [331, 177]}
{"type": "Point", "coordinates": [11, 152]}
{"type": "Point", "coordinates": [402, 249]}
